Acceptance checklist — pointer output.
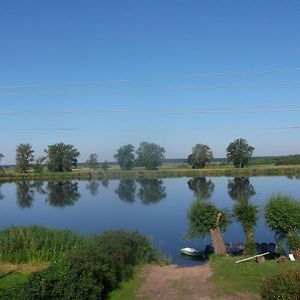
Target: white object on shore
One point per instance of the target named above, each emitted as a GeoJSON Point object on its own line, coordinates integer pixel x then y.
{"type": "Point", "coordinates": [190, 251]}
{"type": "Point", "coordinates": [249, 258]}
{"type": "Point", "coordinates": [291, 257]}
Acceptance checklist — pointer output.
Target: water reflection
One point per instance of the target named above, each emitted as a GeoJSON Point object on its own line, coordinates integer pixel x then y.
{"type": "Point", "coordinates": [126, 190]}
{"type": "Point", "coordinates": [151, 191]}
{"type": "Point", "coordinates": [203, 188]}
{"type": "Point", "coordinates": [1, 195]}
{"type": "Point", "coordinates": [105, 183]}
{"type": "Point", "coordinates": [93, 187]}
{"type": "Point", "coordinates": [240, 188]}
{"type": "Point", "coordinates": [39, 187]}
{"type": "Point", "coordinates": [62, 193]}
{"type": "Point", "coordinates": [24, 194]}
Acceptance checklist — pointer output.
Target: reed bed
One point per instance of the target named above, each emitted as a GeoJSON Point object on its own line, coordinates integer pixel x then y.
{"type": "Point", "coordinates": [36, 244]}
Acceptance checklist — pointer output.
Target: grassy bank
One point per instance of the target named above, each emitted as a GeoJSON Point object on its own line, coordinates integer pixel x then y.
{"type": "Point", "coordinates": [164, 171]}
{"type": "Point", "coordinates": [244, 278]}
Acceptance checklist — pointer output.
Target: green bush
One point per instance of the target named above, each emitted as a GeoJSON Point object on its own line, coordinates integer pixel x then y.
{"type": "Point", "coordinates": [91, 271]}
{"type": "Point", "coordinates": [36, 244]}
{"type": "Point", "coordinates": [285, 286]}
{"type": "Point", "coordinates": [294, 242]}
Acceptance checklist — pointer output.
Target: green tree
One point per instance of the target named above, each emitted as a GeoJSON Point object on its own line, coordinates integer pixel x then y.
{"type": "Point", "coordinates": [105, 165]}
{"type": "Point", "coordinates": [241, 190]}
{"type": "Point", "coordinates": [150, 155]}
{"type": "Point", "coordinates": [92, 161]}
{"type": "Point", "coordinates": [239, 153]}
{"type": "Point", "coordinates": [24, 157]}
{"type": "Point", "coordinates": [125, 157]}
{"type": "Point", "coordinates": [282, 214]}
{"type": "Point", "coordinates": [38, 166]}
{"type": "Point", "coordinates": [205, 218]}
{"type": "Point", "coordinates": [62, 157]}
{"type": "Point", "coordinates": [200, 156]}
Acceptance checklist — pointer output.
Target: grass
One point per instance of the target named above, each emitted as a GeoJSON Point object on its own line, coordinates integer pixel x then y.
{"type": "Point", "coordinates": [36, 244]}
{"type": "Point", "coordinates": [11, 275]}
{"type": "Point", "coordinates": [230, 278]}
{"type": "Point", "coordinates": [128, 289]}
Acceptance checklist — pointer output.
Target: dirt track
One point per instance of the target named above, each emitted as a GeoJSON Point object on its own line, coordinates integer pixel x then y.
{"type": "Point", "coordinates": [173, 282]}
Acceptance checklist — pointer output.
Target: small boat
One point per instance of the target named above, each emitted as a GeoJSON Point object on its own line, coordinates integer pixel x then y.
{"type": "Point", "coordinates": [191, 251]}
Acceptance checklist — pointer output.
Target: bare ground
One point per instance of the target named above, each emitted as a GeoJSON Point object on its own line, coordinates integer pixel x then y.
{"type": "Point", "coordinates": [180, 283]}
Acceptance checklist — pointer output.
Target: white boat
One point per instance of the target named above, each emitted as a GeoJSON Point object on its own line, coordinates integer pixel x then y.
{"type": "Point", "coordinates": [191, 251]}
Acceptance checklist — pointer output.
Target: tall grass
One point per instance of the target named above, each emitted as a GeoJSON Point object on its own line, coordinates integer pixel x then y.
{"type": "Point", "coordinates": [36, 244]}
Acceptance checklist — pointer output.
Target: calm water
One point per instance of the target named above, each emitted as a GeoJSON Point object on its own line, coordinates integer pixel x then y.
{"type": "Point", "coordinates": [157, 208]}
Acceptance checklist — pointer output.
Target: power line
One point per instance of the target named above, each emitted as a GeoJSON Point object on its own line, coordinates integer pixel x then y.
{"type": "Point", "coordinates": [151, 79]}
{"type": "Point", "coordinates": [208, 111]}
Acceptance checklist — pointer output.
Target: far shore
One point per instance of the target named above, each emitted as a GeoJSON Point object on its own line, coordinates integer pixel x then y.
{"type": "Point", "coordinates": [165, 171]}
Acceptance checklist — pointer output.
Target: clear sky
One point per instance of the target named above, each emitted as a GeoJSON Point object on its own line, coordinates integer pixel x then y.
{"type": "Point", "coordinates": [101, 74]}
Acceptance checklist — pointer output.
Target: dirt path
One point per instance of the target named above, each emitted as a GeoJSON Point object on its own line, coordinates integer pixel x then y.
{"type": "Point", "coordinates": [174, 282]}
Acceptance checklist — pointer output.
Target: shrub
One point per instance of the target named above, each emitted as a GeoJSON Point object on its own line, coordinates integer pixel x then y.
{"type": "Point", "coordinates": [89, 272]}
{"type": "Point", "coordinates": [285, 286]}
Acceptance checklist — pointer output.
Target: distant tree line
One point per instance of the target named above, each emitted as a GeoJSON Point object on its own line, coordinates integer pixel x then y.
{"type": "Point", "coordinates": [62, 157]}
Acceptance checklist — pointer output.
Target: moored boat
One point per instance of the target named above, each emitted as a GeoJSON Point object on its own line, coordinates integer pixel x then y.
{"type": "Point", "coordinates": [191, 251]}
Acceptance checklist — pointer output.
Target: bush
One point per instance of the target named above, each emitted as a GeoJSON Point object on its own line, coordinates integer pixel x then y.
{"type": "Point", "coordinates": [36, 244]}
{"type": "Point", "coordinates": [285, 286]}
{"type": "Point", "coordinates": [294, 242]}
{"type": "Point", "coordinates": [89, 272]}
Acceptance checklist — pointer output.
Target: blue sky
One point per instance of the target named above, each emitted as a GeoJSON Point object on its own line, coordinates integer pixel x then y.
{"type": "Point", "coordinates": [101, 74]}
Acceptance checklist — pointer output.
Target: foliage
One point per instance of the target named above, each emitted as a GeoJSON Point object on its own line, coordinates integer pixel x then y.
{"type": "Point", "coordinates": [149, 155]}
{"type": "Point", "coordinates": [288, 160]}
{"type": "Point", "coordinates": [282, 214]}
{"type": "Point", "coordinates": [200, 156]}
{"type": "Point", "coordinates": [105, 165]}
{"type": "Point", "coordinates": [294, 241]}
{"type": "Point", "coordinates": [91, 271]}
{"type": "Point", "coordinates": [202, 218]}
{"type": "Point", "coordinates": [92, 161]}
{"type": "Point", "coordinates": [36, 244]}
{"type": "Point", "coordinates": [24, 157]}
{"type": "Point", "coordinates": [125, 157]}
{"type": "Point", "coordinates": [38, 165]}
{"type": "Point", "coordinates": [1, 157]}
{"type": "Point", "coordinates": [239, 152]}
{"type": "Point", "coordinates": [62, 157]}
{"type": "Point", "coordinates": [285, 286]}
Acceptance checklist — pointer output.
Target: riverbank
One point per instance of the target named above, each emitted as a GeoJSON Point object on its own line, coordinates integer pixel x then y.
{"type": "Point", "coordinates": [163, 172]}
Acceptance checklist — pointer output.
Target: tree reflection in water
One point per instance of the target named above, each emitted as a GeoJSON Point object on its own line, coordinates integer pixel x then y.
{"type": "Point", "coordinates": [126, 190]}
{"type": "Point", "coordinates": [24, 194]}
{"type": "Point", "coordinates": [1, 195]}
{"type": "Point", "coordinates": [203, 188]}
{"type": "Point", "coordinates": [39, 187]}
{"type": "Point", "coordinates": [105, 183]}
{"type": "Point", "coordinates": [241, 190]}
{"type": "Point", "coordinates": [151, 191]}
{"type": "Point", "coordinates": [62, 193]}
{"type": "Point", "coordinates": [93, 187]}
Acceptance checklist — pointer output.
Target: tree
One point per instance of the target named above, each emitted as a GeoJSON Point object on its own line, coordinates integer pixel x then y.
{"type": "Point", "coordinates": [62, 157]}
{"type": "Point", "coordinates": [282, 214]}
{"type": "Point", "coordinates": [200, 156]}
{"type": "Point", "coordinates": [239, 153]}
{"type": "Point", "coordinates": [92, 161]}
{"type": "Point", "coordinates": [24, 157]}
{"type": "Point", "coordinates": [150, 155]}
{"type": "Point", "coordinates": [125, 157]}
{"type": "Point", "coordinates": [38, 165]}
{"type": "Point", "coordinates": [1, 157]}
{"type": "Point", "coordinates": [105, 165]}
{"type": "Point", "coordinates": [204, 218]}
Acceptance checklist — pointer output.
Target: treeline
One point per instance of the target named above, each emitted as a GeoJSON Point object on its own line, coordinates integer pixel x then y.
{"type": "Point", "coordinates": [62, 157]}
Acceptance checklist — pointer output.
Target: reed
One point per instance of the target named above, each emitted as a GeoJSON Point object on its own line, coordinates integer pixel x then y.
{"type": "Point", "coordinates": [36, 244]}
